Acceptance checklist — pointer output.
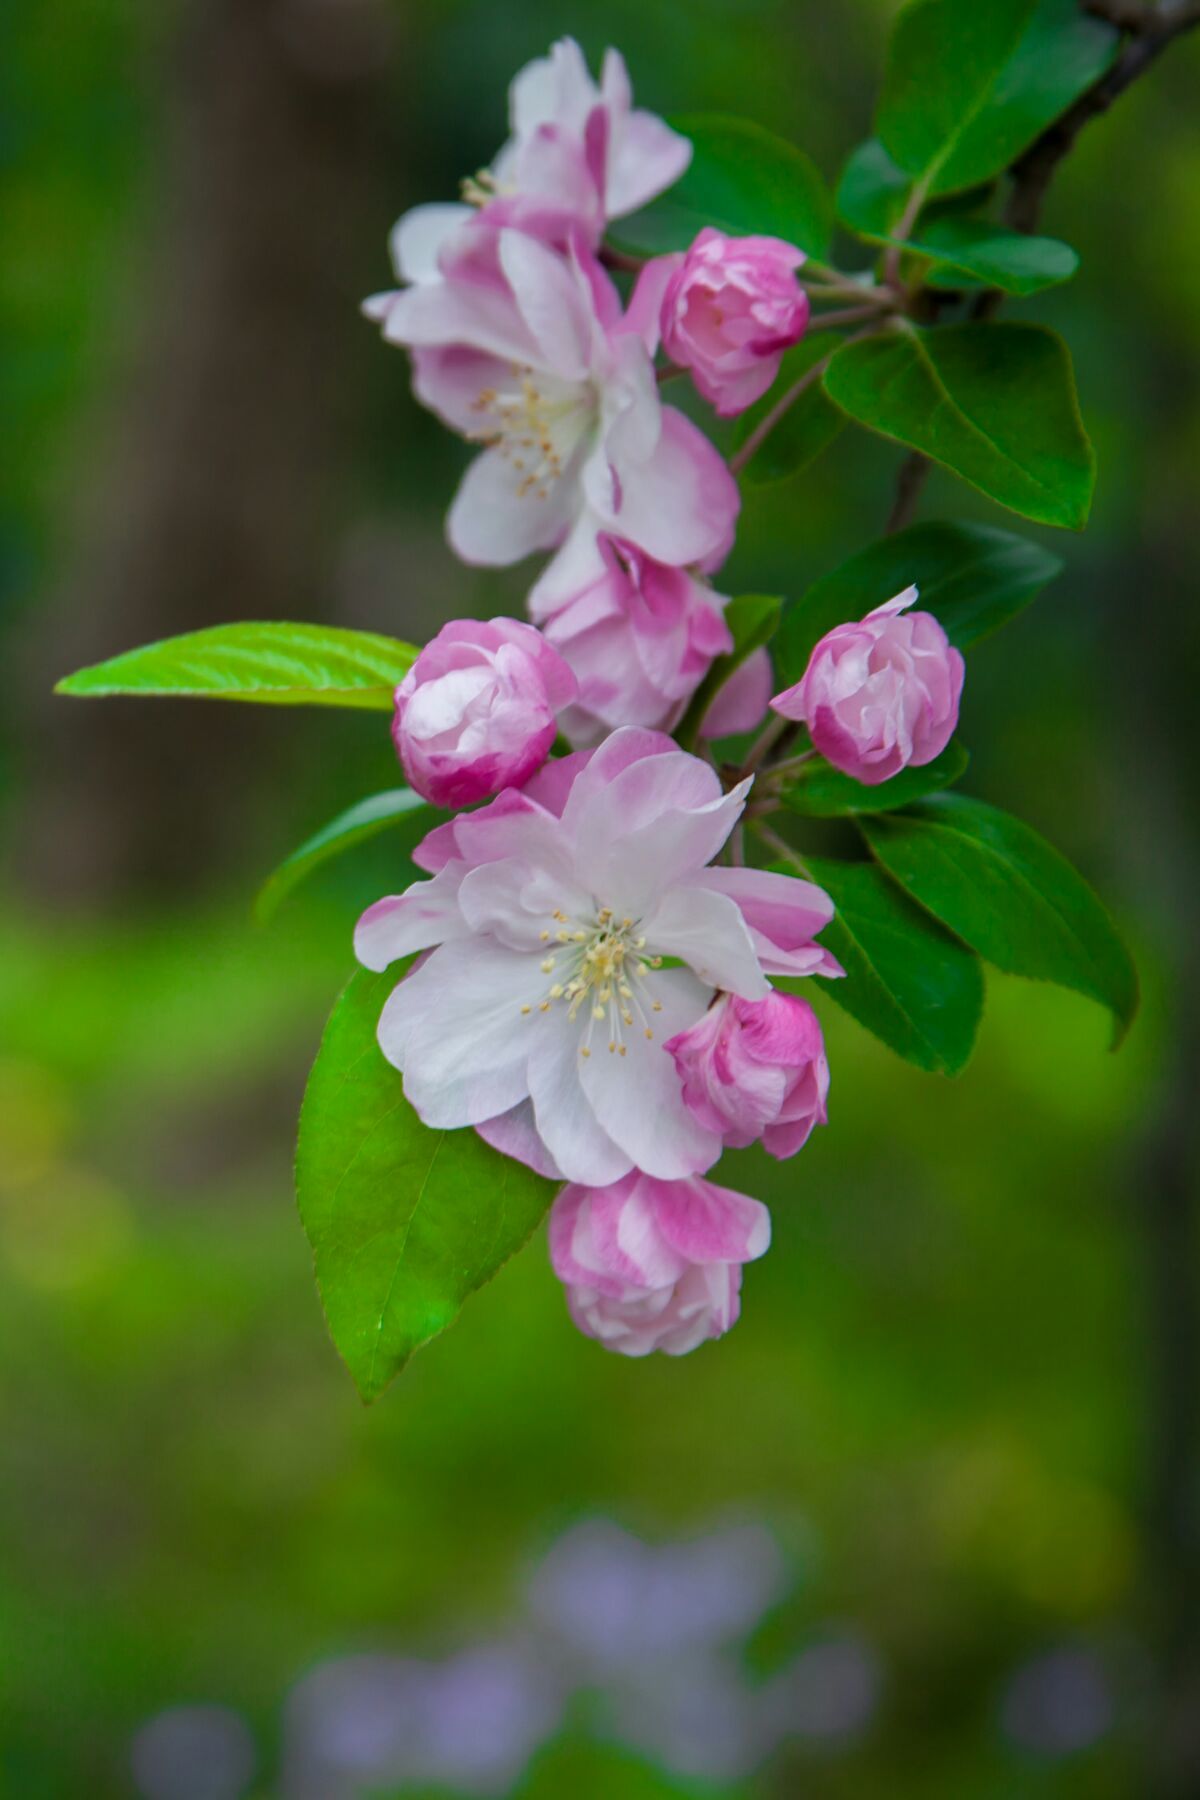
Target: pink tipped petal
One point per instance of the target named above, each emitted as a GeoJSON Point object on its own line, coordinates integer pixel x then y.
{"type": "Point", "coordinates": [880, 694]}
{"type": "Point", "coordinates": [416, 239]}
{"type": "Point", "coordinates": [730, 310]}
{"type": "Point", "coordinates": [683, 505]}
{"type": "Point", "coordinates": [651, 159]}
{"type": "Point", "coordinates": [707, 1223]}
{"type": "Point", "coordinates": [742, 702]}
{"type": "Point", "coordinates": [654, 1265]}
{"type": "Point", "coordinates": [514, 1133]}
{"type": "Point", "coordinates": [426, 914]}
{"type": "Point", "coordinates": [708, 932]}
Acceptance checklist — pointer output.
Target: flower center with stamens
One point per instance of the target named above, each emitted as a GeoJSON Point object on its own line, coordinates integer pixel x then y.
{"type": "Point", "coordinates": [600, 972]}
{"type": "Point", "coordinates": [536, 424]}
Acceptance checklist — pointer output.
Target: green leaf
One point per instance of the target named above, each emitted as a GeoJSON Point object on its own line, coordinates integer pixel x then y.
{"type": "Point", "coordinates": [907, 979]}
{"type": "Point", "coordinates": [752, 620]}
{"type": "Point", "coordinates": [820, 791]}
{"type": "Point", "coordinates": [404, 1222]}
{"type": "Point", "coordinates": [992, 254]}
{"type": "Point", "coordinates": [872, 195]}
{"type": "Point", "coordinates": [356, 825]}
{"type": "Point", "coordinates": [742, 180]}
{"type": "Point", "coordinates": [973, 578]}
{"type": "Point", "coordinates": [968, 87]}
{"type": "Point", "coordinates": [808, 426]}
{"type": "Point", "coordinates": [872, 192]}
{"type": "Point", "coordinates": [272, 662]}
{"type": "Point", "coordinates": [995, 403]}
{"type": "Point", "coordinates": [1009, 895]}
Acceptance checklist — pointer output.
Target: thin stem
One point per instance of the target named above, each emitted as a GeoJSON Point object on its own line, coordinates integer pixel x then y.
{"type": "Point", "coordinates": [767, 738]}
{"type": "Point", "coordinates": [848, 315]}
{"type": "Point", "coordinates": [790, 766]}
{"type": "Point", "coordinates": [782, 406]}
{"type": "Point", "coordinates": [903, 225]}
{"type": "Point", "coordinates": [774, 842]}
{"type": "Point", "coordinates": [671, 372]}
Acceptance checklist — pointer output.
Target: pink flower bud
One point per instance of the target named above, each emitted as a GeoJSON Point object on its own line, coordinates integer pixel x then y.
{"type": "Point", "coordinates": [879, 694]}
{"type": "Point", "coordinates": [655, 1265]}
{"type": "Point", "coordinates": [755, 1068]}
{"type": "Point", "coordinates": [729, 311]}
{"type": "Point", "coordinates": [476, 712]}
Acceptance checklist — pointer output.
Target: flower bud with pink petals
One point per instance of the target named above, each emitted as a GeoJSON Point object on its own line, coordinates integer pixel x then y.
{"type": "Point", "coordinates": [755, 1068]}
{"type": "Point", "coordinates": [730, 310]}
{"type": "Point", "coordinates": [880, 694]}
{"type": "Point", "coordinates": [477, 711]}
{"type": "Point", "coordinates": [655, 1265]}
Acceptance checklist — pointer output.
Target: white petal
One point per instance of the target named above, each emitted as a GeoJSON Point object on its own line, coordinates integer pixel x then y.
{"type": "Point", "coordinates": [708, 931]}
{"type": "Point", "coordinates": [568, 1127]}
{"type": "Point", "coordinates": [456, 1028]}
{"type": "Point", "coordinates": [638, 1098]}
{"type": "Point", "coordinates": [490, 523]}
{"type": "Point", "coordinates": [551, 303]}
{"type": "Point", "coordinates": [418, 236]}
{"type": "Point", "coordinates": [423, 915]}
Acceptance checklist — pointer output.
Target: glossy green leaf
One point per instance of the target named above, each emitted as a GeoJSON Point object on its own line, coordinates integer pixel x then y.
{"type": "Point", "coordinates": [365, 820]}
{"type": "Point", "coordinates": [820, 791]}
{"type": "Point", "coordinates": [742, 180]}
{"type": "Point", "coordinates": [968, 87]}
{"type": "Point", "coordinates": [752, 620]}
{"type": "Point", "coordinates": [973, 578]}
{"type": "Point", "coordinates": [872, 192]}
{"type": "Point", "coordinates": [404, 1222]}
{"type": "Point", "coordinates": [994, 255]}
{"type": "Point", "coordinates": [908, 980]}
{"type": "Point", "coordinates": [272, 662]}
{"type": "Point", "coordinates": [808, 426]}
{"type": "Point", "coordinates": [993, 402]}
{"type": "Point", "coordinates": [964, 250]}
{"type": "Point", "coordinates": [1008, 894]}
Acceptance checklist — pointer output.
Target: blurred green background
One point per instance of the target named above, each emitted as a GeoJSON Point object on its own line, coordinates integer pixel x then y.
{"type": "Point", "coordinates": [960, 1402]}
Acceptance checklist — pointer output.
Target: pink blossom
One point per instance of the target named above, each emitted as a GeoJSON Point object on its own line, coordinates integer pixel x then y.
{"type": "Point", "coordinates": [639, 635]}
{"type": "Point", "coordinates": [583, 146]}
{"type": "Point", "coordinates": [655, 1265]}
{"type": "Point", "coordinates": [755, 1068]}
{"type": "Point", "coordinates": [880, 694]}
{"type": "Point", "coordinates": [542, 1013]}
{"type": "Point", "coordinates": [730, 309]}
{"type": "Point", "coordinates": [527, 351]}
{"type": "Point", "coordinates": [477, 710]}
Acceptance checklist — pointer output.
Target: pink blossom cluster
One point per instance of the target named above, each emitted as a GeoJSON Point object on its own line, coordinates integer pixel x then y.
{"type": "Point", "coordinates": [591, 991]}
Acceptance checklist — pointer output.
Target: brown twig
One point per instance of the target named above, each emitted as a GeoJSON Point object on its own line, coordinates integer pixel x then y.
{"type": "Point", "coordinates": [1152, 29]}
{"type": "Point", "coordinates": [910, 479]}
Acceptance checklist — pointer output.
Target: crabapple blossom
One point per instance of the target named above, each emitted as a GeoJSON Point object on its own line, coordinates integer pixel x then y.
{"type": "Point", "coordinates": [477, 710]}
{"type": "Point", "coordinates": [755, 1068]}
{"type": "Point", "coordinates": [528, 353]}
{"type": "Point", "coordinates": [655, 1265]}
{"type": "Point", "coordinates": [880, 694]}
{"type": "Point", "coordinates": [584, 147]}
{"type": "Point", "coordinates": [730, 309]}
{"type": "Point", "coordinates": [640, 636]}
{"type": "Point", "coordinates": [542, 1012]}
